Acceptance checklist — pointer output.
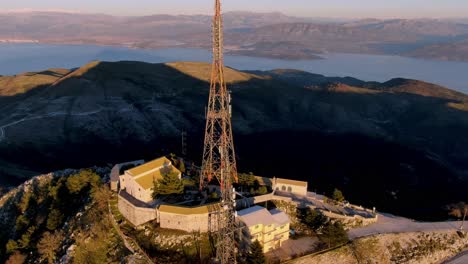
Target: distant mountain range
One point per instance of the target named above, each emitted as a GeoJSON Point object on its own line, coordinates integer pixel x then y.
{"type": "Point", "coordinates": [272, 35]}
{"type": "Point", "coordinates": [399, 145]}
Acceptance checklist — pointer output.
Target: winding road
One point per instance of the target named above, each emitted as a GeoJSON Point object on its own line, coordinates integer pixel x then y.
{"type": "Point", "coordinates": [49, 115]}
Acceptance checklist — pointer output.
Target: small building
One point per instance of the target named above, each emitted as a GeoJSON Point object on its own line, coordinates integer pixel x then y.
{"type": "Point", "coordinates": [290, 186]}
{"type": "Point", "coordinates": [116, 173]}
{"type": "Point", "coordinates": [270, 228]}
{"type": "Point", "coordinates": [139, 181]}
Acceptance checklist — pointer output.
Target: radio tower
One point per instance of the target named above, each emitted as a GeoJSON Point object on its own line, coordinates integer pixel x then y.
{"type": "Point", "coordinates": [218, 155]}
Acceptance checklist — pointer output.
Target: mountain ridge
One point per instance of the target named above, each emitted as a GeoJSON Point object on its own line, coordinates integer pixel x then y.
{"type": "Point", "coordinates": [349, 132]}
{"type": "Point", "coordinates": [247, 33]}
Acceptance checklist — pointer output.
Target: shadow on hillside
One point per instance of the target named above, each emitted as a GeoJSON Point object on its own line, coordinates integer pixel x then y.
{"type": "Point", "coordinates": [331, 139]}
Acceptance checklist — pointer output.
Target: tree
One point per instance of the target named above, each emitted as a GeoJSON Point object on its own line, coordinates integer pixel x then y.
{"type": "Point", "coordinates": [77, 182]}
{"type": "Point", "coordinates": [25, 239]}
{"type": "Point", "coordinates": [22, 222]}
{"type": "Point", "coordinates": [101, 197]}
{"type": "Point", "coordinates": [181, 166]}
{"type": "Point", "coordinates": [459, 210]}
{"type": "Point", "coordinates": [313, 219]}
{"type": "Point", "coordinates": [16, 258]}
{"type": "Point", "coordinates": [54, 219]}
{"type": "Point", "coordinates": [214, 195]}
{"type": "Point", "coordinates": [262, 190]}
{"type": "Point", "coordinates": [338, 196]}
{"type": "Point", "coordinates": [246, 179]}
{"type": "Point", "coordinates": [11, 246]}
{"type": "Point", "coordinates": [255, 255]}
{"type": "Point", "coordinates": [169, 184]}
{"type": "Point", "coordinates": [333, 234]}
{"type": "Point", "coordinates": [49, 245]}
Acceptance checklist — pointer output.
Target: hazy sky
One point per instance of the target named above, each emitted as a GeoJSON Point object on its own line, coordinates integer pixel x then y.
{"type": "Point", "coordinates": [313, 8]}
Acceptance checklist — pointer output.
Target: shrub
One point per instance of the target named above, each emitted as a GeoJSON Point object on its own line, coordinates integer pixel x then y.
{"type": "Point", "coordinates": [54, 220]}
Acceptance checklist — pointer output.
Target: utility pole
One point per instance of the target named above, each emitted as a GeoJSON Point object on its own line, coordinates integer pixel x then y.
{"type": "Point", "coordinates": [218, 154]}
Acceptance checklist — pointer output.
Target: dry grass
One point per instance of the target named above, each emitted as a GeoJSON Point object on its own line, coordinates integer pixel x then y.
{"type": "Point", "coordinates": [18, 84]}
{"type": "Point", "coordinates": [202, 72]}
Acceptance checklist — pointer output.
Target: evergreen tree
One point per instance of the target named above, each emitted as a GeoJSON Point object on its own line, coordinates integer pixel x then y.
{"type": "Point", "coordinates": [11, 246]}
{"type": "Point", "coordinates": [313, 219]}
{"type": "Point", "coordinates": [169, 184]}
{"type": "Point", "coordinates": [182, 166]}
{"type": "Point", "coordinates": [54, 219]}
{"type": "Point", "coordinates": [262, 190]}
{"type": "Point", "coordinates": [49, 245]}
{"type": "Point", "coordinates": [334, 234]}
{"type": "Point", "coordinates": [256, 256]}
{"type": "Point", "coordinates": [338, 196]}
{"type": "Point", "coordinates": [25, 239]}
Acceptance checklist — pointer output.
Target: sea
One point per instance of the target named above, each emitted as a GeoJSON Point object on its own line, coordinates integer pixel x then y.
{"type": "Point", "coordinates": [17, 58]}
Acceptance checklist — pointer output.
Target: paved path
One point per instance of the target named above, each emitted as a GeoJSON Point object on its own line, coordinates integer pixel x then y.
{"type": "Point", "coordinates": [461, 258]}
{"type": "Point", "coordinates": [387, 223]}
{"type": "Point", "coordinates": [294, 247]}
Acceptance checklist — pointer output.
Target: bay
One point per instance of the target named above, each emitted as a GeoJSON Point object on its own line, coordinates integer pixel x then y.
{"type": "Point", "coordinates": [23, 57]}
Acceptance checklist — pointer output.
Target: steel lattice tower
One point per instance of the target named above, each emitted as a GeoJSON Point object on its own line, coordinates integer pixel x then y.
{"type": "Point", "coordinates": [218, 155]}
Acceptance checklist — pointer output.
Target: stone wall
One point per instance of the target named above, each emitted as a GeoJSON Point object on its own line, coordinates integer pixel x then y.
{"type": "Point", "coordinates": [135, 213]}
{"type": "Point", "coordinates": [352, 221]}
{"type": "Point", "coordinates": [188, 223]}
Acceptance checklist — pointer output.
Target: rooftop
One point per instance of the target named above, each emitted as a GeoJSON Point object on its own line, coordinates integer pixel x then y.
{"type": "Point", "coordinates": [188, 210]}
{"type": "Point", "coordinates": [279, 216]}
{"type": "Point", "coordinates": [149, 166]}
{"type": "Point", "coordinates": [259, 215]}
{"type": "Point", "coordinates": [146, 174]}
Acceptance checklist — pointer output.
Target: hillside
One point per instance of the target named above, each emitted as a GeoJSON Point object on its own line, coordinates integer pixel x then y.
{"type": "Point", "coordinates": [425, 38]}
{"type": "Point", "coordinates": [419, 247]}
{"type": "Point", "coordinates": [392, 145]}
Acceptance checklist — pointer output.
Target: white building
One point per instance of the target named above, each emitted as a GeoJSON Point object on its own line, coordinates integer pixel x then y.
{"type": "Point", "coordinates": [139, 181]}
{"type": "Point", "coordinates": [290, 186]}
{"type": "Point", "coordinates": [270, 228]}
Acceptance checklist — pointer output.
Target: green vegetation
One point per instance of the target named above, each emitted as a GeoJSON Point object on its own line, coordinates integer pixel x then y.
{"type": "Point", "coordinates": [37, 233]}
{"type": "Point", "coordinates": [249, 182]}
{"type": "Point", "coordinates": [49, 245]}
{"type": "Point", "coordinates": [177, 162]}
{"type": "Point", "coordinates": [169, 184]}
{"type": "Point", "coordinates": [255, 255]}
{"type": "Point", "coordinates": [338, 196]}
{"type": "Point", "coordinates": [333, 234]}
{"type": "Point", "coordinates": [313, 219]}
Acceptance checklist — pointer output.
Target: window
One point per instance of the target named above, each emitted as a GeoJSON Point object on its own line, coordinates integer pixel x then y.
{"type": "Point", "coordinates": [289, 189]}
{"type": "Point", "coordinates": [277, 188]}
{"type": "Point", "coordinates": [283, 188]}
